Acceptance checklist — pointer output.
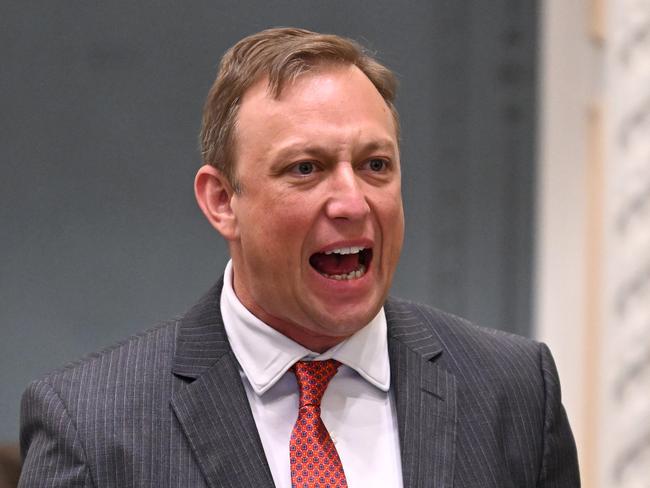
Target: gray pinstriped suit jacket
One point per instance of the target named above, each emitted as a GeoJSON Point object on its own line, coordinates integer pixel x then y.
{"type": "Point", "coordinates": [167, 408]}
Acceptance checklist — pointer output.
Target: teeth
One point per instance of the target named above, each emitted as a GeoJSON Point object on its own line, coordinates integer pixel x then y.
{"type": "Point", "coordinates": [350, 276]}
{"type": "Point", "coordinates": [346, 250]}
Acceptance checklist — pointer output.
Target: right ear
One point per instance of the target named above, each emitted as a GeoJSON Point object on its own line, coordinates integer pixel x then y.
{"type": "Point", "coordinates": [213, 194]}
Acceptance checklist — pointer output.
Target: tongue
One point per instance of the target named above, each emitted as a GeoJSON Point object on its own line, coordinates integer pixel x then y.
{"type": "Point", "coordinates": [335, 264]}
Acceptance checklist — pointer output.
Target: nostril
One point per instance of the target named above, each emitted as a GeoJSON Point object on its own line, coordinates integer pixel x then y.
{"type": "Point", "coordinates": [348, 207]}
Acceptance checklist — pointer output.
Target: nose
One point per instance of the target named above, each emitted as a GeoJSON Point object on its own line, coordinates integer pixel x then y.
{"type": "Point", "coordinates": [347, 199]}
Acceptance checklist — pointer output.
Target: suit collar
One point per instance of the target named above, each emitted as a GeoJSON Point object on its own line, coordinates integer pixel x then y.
{"type": "Point", "coordinates": [425, 397]}
{"type": "Point", "coordinates": [408, 325]}
{"type": "Point", "coordinates": [201, 341]}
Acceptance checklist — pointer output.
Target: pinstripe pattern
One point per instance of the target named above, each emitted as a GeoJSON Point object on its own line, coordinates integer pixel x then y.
{"type": "Point", "coordinates": [167, 408]}
{"type": "Point", "coordinates": [476, 407]}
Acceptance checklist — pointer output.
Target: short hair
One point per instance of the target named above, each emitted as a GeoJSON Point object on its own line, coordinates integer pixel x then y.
{"type": "Point", "coordinates": [282, 55]}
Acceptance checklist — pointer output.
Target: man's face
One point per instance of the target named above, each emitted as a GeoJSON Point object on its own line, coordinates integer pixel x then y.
{"type": "Point", "coordinates": [319, 222]}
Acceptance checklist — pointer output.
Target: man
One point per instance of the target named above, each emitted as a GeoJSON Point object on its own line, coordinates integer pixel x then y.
{"type": "Point", "coordinates": [295, 369]}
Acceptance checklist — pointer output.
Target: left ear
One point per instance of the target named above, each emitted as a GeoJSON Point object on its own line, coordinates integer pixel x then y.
{"type": "Point", "coordinates": [213, 194]}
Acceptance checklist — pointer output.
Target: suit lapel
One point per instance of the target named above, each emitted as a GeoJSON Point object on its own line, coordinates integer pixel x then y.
{"type": "Point", "coordinates": [212, 408]}
{"type": "Point", "coordinates": [425, 398]}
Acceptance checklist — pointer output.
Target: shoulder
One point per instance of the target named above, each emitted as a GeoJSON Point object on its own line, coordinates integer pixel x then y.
{"type": "Point", "coordinates": [449, 328]}
{"type": "Point", "coordinates": [139, 365]}
{"type": "Point", "coordinates": [86, 416]}
{"type": "Point", "coordinates": [133, 362]}
{"type": "Point", "coordinates": [466, 348]}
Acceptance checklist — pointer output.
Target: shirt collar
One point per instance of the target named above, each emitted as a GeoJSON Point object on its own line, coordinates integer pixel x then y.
{"type": "Point", "coordinates": [265, 354]}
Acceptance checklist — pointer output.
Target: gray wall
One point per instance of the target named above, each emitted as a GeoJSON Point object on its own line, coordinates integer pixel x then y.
{"type": "Point", "coordinates": [101, 102]}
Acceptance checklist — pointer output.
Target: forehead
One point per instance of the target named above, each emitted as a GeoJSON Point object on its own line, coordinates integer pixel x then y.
{"type": "Point", "coordinates": [332, 92]}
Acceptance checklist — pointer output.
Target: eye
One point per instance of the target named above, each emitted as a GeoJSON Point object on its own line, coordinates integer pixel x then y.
{"type": "Point", "coordinates": [304, 168]}
{"type": "Point", "coordinates": [377, 164]}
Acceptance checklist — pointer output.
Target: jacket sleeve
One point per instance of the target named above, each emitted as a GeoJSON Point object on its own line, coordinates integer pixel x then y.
{"type": "Point", "coordinates": [559, 467]}
{"type": "Point", "coordinates": [53, 455]}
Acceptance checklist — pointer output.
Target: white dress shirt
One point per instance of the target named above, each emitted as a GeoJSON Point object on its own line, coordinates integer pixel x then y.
{"type": "Point", "coordinates": [357, 408]}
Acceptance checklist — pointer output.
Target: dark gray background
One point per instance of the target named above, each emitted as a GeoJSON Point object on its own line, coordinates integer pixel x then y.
{"type": "Point", "coordinates": [101, 101]}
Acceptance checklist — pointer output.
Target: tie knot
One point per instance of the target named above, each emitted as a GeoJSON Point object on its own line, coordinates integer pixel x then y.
{"type": "Point", "coordinates": [313, 378]}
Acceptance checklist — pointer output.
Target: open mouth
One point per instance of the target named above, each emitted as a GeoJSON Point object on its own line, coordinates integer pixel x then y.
{"type": "Point", "coordinates": [344, 263]}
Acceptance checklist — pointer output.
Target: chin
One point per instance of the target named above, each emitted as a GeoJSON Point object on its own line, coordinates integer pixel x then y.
{"type": "Point", "coordinates": [344, 323]}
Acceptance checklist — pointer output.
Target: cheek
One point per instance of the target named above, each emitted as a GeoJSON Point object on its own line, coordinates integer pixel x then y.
{"type": "Point", "coordinates": [391, 215]}
{"type": "Point", "coordinates": [289, 218]}
{"type": "Point", "coordinates": [278, 227]}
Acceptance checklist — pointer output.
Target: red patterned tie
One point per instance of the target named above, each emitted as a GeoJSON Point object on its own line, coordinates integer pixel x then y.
{"type": "Point", "coordinates": [314, 460]}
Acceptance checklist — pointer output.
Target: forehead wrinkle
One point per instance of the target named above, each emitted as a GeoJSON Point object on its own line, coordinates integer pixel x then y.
{"type": "Point", "coordinates": [297, 148]}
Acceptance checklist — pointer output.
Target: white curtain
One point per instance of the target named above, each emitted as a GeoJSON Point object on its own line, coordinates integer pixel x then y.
{"type": "Point", "coordinates": [625, 450]}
